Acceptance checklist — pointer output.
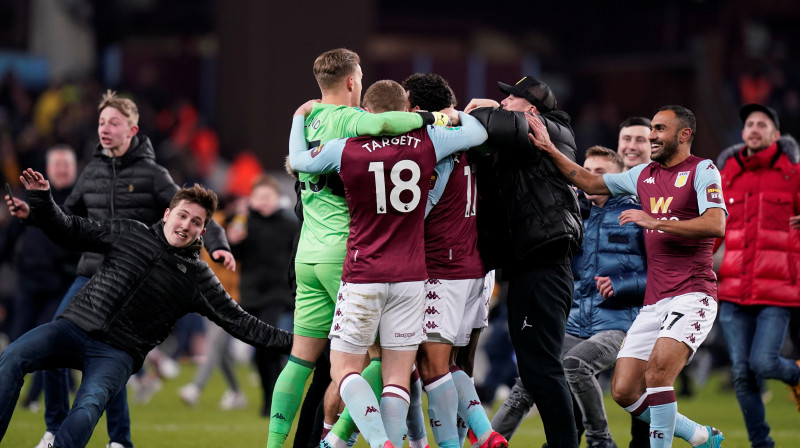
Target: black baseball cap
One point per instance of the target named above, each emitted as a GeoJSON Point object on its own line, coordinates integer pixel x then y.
{"type": "Point", "coordinates": [534, 90]}
{"type": "Point", "coordinates": [748, 109]}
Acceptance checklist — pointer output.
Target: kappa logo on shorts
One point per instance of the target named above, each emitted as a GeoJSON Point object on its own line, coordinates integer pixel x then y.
{"type": "Point", "coordinates": [431, 325]}
{"type": "Point", "coordinates": [431, 310]}
{"type": "Point", "coordinates": [339, 312]}
{"type": "Point", "coordinates": [696, 326]}
{"type": "Point", "coordinates": [704, 301]}
{"type": "Point", "coordinates": [336, 327]}
{"type": "Point", "coordinates": [691, 338]}
{"type": "Point", "coordinates": [432, 281]}
{"type": "Point", "coordinates": [370, 410]}
{"type": "Point", "coordinates": [431, 295]}
{"type": "Point", "coordinates": [702, 313]}
{"type": "Point", "coordinates": [340, 298]}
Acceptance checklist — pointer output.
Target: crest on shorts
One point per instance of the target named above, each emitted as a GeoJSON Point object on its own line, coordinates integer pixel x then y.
{"type": "Point", "coordinates": [683, 176]}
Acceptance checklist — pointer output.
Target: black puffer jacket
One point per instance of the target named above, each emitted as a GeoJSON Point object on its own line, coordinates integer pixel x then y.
{"type": "Point", "coordinates": [144, 285]}
{"type": "Point", "coordinates": [133, 186]}
{"type": "Point", "coordinates": [529, 213]}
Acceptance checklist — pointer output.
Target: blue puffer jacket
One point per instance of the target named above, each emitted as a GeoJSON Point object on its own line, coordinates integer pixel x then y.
{"type": "Point", "coordinates": [608, 250]}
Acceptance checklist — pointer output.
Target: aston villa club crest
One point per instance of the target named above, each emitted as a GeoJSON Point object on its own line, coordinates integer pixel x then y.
{"type": "Point", "coordinates": [683, 176]}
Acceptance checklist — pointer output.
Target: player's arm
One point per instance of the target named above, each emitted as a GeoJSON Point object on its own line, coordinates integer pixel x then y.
{"type": "Point", "coordinates": [448, 140]}
{"type": "Point", "coordinates": [710, 224]}
{"type": "Point", "coordinates": [316, 160]}
{"type": "Point", "coordinates": [395, 123]}
{"type": "Point", "coordinates": [442, 172]}
{"type": "Point", "coordinates": [586, 181]}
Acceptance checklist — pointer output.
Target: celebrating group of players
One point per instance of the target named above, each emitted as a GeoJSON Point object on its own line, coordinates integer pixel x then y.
{"type": "Point", "coordinates": [388, 267]}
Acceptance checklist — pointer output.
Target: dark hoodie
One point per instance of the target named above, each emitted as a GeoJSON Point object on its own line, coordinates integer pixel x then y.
{"type": "Point", "coordinates": [133, 186]}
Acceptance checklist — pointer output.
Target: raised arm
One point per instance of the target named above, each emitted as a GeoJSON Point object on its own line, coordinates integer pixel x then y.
{"type": "Point", "coordinates": [586, 181]}
{"type": "Point", "coordinates": [72, 232]}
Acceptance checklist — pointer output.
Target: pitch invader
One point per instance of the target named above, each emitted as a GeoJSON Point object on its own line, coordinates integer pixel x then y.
{"type": "Point", "coordinates": [384, 270]}
{"type": "Point", "coordinates": [683, 211]}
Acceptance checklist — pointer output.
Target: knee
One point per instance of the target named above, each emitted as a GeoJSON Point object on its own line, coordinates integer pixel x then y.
{"type": "Point", "coordinates": [624, 395]}
{"type": "Point", "coordinates": [578, 373]}
{"type": "Point", "coordinates": [764, 365]}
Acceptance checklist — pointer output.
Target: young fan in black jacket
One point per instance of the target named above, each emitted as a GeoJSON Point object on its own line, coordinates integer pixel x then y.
{"type": "Point", "coordinates": [151, 276]}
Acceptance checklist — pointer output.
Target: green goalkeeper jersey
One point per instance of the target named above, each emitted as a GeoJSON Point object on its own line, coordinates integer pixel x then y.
{"type": "Point", "coordinates": [326, 220]}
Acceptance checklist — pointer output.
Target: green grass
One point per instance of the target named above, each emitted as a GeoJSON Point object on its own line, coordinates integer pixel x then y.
{"type": "Point", "coordinates": [166, 422]}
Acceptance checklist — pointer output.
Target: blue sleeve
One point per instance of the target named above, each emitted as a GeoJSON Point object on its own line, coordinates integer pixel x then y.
{"type": "Point", "coordinates": [442, 172]}
{"type": "Point", "coordinates": [624, 183]}
{"type": "Point", "coordinates": [447, 140]}
{"type": "Point", "coordinates": [708, 184]}
{"type": "Point", "coordinates": [322, 159]}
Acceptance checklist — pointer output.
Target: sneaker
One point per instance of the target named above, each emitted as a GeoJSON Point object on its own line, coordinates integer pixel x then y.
{"type": "Point", "coordinates": [168, 368]}
{"type": "Point", "coordinates": [47, 440]}
{"type": "Point", "coordinates": [389, 444]}
{"type": "Point", "coordinates": [190, 394]}
{"type": "Point", "coordinates": [149, 387]}
{"type": "Point", "coordinates": [31, 406]}
{"type": "Point", "coordinates": [714, 438]}
{"type": "Point", "coordinates": [495, 440]}
{"type": "Point", "coordinates": [591, 442]}
{"type": "Point", "coordinates": [114, 445]}
{"type": "Point", "coordinates": [232, 400]}
{"type": "Point", "coordinates": [796, 391]}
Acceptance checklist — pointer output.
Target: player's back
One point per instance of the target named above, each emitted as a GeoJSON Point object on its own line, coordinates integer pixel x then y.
{"type": "Point", "coordinates": [451, 232]}
{"type": "Point", "coordinates": [386, 183]}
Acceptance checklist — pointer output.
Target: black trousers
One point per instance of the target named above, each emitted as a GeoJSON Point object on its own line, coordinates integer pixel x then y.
{"type": "Point", "coordinates": [539, 299]}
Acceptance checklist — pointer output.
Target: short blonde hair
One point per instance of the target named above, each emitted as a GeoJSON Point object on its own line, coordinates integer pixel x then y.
{"type": "Point", "coordinates": [333, 65]}
{"type": "Point", "coordinates": [124, 105]}
{"type": "Point", "coordinates": [606, 153]}
{"type": "Point", "coordinates": [384, 96]}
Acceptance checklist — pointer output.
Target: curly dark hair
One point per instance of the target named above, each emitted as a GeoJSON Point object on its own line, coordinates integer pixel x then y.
{"type": "Point", "coordinates": [429, 91]}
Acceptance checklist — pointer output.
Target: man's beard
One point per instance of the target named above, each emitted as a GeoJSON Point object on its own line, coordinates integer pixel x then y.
{"type": "Point", "coordinates": [668, 149]}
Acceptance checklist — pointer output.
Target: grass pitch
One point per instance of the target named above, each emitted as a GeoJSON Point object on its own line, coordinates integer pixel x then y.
{"type": "Point", "coordinates": [165, 422]}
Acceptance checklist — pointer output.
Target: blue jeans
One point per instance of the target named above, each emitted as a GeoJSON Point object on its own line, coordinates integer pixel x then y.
{"type": "Point", "coordinates": [56, 391]}
{"type": "Point", "coordinates": [63, 344]}
{"type": "Point", "coordinates": [754, 335]}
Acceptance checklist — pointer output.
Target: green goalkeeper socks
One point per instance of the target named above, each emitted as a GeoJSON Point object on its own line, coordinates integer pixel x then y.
{"type": "Point", "coordinates": [286, 399]}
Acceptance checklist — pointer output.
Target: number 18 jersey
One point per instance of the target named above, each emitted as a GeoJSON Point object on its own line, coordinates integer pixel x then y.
{"type": "Point", "coordinates": [386, 184]}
